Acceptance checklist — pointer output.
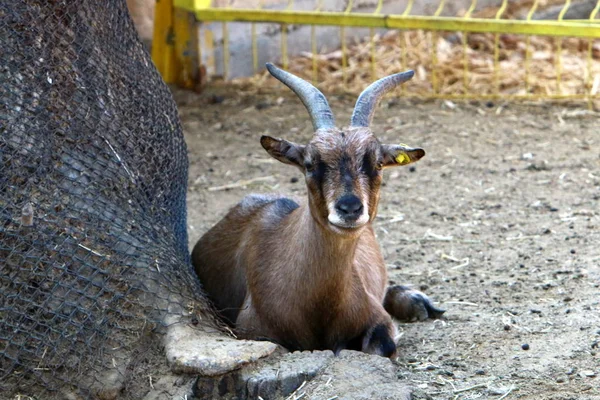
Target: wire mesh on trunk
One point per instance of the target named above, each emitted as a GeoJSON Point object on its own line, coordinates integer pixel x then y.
{"type": "Point", "coordinates": [93, 177]}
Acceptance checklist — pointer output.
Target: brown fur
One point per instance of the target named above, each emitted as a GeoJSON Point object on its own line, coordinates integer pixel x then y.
{"type": "Point", "coordinates": [291, 275]}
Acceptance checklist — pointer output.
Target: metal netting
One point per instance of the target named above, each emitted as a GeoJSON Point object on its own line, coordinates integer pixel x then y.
{"type": "Point", "coordinates": [93, 178]}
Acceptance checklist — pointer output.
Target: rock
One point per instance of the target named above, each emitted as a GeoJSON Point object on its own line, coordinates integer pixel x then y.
{"type": "Point", "coordinates": [498, 390]}
{"type": "Point", "coordinates": [587, 373]}
{"type": "Point", "coordinates": [527, 156]}
{"type": "Point", "coordinates": [312, 375]}
{"type": "Point", "coordinates": [194, 351]}
{"type": "Point", "coordinates": [262, 105]}
{"type": "Point", "coordinates": [237, 369]}
{"type": "Point", "coordinates": [449, 104]}
{"type": "Point", "coordinates": [288, 374]}
{"type": "Point", "coordinates": [215, 99]}
{"type": "Point", "coordinates": [357, 376]}
{"type": "Point", "coordinates": [267, 379]}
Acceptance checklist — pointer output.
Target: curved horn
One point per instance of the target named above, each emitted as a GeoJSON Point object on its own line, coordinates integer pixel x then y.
{"type": "Point", "coordinates": [370, 97]}
{"type": "Point", "coordinates": [314, 101]}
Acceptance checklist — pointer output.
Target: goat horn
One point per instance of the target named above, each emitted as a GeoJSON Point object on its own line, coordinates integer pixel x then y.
{"type": "Point", "coordinates": [314, 101]}
{"type": "Point", "coordinates": [370, 97]}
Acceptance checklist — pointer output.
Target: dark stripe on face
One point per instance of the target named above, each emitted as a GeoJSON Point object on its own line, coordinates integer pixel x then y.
{"type": "Point", "coordinates": [346, 175]}
{"type": "Point", "coordinates": [368, 166]}
{"type": "Point", "coordinates": [315, 181]}
{"type": "Point", "coordinates": [317, 175]}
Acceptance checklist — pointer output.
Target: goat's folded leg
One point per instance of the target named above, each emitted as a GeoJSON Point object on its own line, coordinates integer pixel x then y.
{"type": "Point", "coordinates": [406, 304]}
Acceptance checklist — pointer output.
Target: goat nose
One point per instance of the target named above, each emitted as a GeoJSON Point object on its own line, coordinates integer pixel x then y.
{"type": "Point", "coordinates": [349, 206]}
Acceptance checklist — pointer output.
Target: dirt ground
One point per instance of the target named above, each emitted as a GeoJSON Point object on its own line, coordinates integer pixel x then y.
{"type": "Point", "coordinates": [499, 223]}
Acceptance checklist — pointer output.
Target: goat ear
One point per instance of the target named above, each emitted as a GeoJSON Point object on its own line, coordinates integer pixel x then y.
{"type": "Point", "coordinates": [400, 154]}
{"type": "Point", "coordinates": [284, 151]}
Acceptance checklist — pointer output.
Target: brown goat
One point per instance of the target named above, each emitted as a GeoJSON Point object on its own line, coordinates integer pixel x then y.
{"type": "Point", "coordinates": [312, 276]}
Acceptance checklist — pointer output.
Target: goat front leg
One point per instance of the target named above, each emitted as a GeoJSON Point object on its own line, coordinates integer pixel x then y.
{"type": "Point", "coordinates": [406, 304]}
{"type": "Point", "coordinates": [250, 326]}
{"type": "Point", "coordinates": [380, 339]}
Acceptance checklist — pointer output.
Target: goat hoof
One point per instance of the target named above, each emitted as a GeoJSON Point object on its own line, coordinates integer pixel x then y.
{"type": "Point", "coordinates": [406, 304]}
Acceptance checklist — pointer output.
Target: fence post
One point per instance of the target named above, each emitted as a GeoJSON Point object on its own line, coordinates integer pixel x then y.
{"type": "Point", "coordinates": [175, 50]}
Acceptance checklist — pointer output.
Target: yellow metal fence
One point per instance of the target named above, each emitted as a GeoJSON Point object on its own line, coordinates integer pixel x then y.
{"type": "Point", "coordinates": [176, 51]}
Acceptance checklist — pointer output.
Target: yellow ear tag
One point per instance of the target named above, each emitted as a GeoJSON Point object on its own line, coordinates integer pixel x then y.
{"type": "Point", "coordinates": [403, 159]}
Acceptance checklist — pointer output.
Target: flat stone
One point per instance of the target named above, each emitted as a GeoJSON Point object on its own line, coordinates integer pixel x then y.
{"type": "Point", "coordinates": [193, 351]}
{"type": "Point", "coordinates": [309, 375]}
{"type": "Point", "coordinates": [498, 390]}
{"type": "Point", "coordinates": [357, 376]}
{"type": "Point", "coordinates": [272, 378]}
{"type": "Point", "coordinates": [287, 374]}
{"type": "Point", "coordinates": [240, 369]}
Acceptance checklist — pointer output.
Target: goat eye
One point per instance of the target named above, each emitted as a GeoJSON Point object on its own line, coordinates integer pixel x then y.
{"type": "Point", "coordinates": [309, 166]}
{"type": "Point", "coordinates": [379, 165]}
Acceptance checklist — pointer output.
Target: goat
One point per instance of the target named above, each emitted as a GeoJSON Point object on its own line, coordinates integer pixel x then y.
{"type": "Point", "coordinates": [312, 276]}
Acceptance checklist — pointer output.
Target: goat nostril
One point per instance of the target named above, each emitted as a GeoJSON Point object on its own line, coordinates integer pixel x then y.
{"type": "Point", "coordinates": [357, 209]}
{"type": "Point", "coordinates": [349, 205]}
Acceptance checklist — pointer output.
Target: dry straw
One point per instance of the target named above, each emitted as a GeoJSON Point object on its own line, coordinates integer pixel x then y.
{"type": "Point", "coordinates": [456, 64]}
